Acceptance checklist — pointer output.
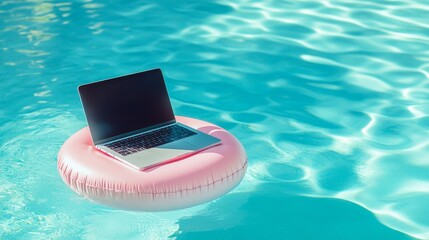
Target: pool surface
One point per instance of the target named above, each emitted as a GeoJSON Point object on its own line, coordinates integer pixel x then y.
{"type": "Point", "coordinates": [329, 98]}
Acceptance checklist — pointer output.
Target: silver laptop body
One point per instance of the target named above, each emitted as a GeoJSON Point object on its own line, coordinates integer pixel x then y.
{"type": "Point", "coordinates": [131, 108]}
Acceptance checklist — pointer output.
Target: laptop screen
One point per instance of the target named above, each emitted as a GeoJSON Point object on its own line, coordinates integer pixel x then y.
{"type": "Point", "coordinates": [126, 104]}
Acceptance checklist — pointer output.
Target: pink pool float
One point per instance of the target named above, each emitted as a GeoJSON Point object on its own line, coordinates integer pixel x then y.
{"type": "Point", "coordinates": [182, 183]}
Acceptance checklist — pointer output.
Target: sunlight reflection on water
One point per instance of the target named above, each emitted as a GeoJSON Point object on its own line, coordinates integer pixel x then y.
{"type": "Point", "coordinates": [330, 100]}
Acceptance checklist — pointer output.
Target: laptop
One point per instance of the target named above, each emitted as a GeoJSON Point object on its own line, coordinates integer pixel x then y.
{"type": "Point", "coordinates": [131, 119]}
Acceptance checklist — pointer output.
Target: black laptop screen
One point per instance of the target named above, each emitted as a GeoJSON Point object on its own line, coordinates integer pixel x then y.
{"type": "Point", "coordinates": [125, 104]}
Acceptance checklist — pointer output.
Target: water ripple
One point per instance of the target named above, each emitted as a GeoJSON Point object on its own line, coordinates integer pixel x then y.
{"type": "Point", "coordinates": [329, 98]}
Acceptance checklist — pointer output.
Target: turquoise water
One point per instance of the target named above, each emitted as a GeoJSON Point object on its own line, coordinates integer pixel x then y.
{"type": "Point", "coordinates": [329, 98]}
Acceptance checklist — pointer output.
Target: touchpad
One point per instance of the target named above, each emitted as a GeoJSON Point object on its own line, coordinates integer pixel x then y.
{"type": "Point", "coordinates": [178, 145]}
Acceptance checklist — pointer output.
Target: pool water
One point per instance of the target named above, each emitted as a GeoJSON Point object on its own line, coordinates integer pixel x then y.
{"type": "Point", "coordinates": [329, 98]}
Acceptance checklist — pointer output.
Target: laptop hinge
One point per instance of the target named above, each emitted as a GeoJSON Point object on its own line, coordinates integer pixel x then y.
{"type": "Point", "coordinates": [136, 132]}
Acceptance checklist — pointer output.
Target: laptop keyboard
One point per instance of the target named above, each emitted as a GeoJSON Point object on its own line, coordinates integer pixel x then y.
{"type": "Point", "coordinates": [149, 140]}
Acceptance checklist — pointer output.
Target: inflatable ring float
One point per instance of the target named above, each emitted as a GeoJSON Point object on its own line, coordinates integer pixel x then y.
{"type": "Point", "coordinates": [198, 178]}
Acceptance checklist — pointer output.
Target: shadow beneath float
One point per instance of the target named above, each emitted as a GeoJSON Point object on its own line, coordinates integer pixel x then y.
{"type": "Point", "coordinates": [272, 214]}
